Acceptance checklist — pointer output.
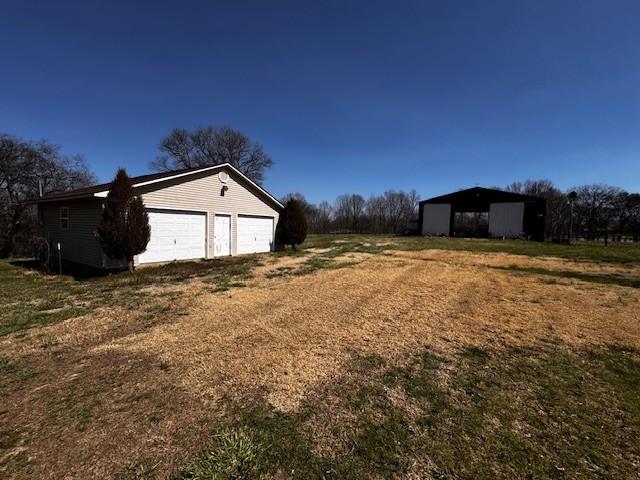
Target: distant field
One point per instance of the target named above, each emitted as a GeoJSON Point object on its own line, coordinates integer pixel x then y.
{"type": "Point", "coordinates": [356, 356]}
{"type": "Point", "coordinates": [614, 252]}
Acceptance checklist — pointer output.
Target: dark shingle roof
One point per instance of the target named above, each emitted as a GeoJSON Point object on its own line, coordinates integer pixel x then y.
{"type": "Point", "coordinates": [89, 191]}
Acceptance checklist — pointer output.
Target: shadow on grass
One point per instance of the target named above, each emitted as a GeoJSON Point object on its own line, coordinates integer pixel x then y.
{"type": "Point", "coordinates": [69, 269]}
{"type": "Point", "coordinates": [174, 271]}
{"type": "Point", "coordinates": [31, 298]}
{"type": "Point", "coordinates": [545, 412]}
{"type": "Point", "coordinates": [606, 279]}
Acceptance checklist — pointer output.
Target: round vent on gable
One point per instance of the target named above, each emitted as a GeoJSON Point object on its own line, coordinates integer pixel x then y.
{"type": "Point", "coordinates": [224, 177]}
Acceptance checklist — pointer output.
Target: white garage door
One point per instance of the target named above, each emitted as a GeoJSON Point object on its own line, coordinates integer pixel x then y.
{"type": "Point", "coordinates": [175, 236]}
{"type": "Point", "coordinates": [436, 219]}
{"type": "Point", "coordinates": [506, 219]}
{"type": "Point", "coordinates": [255, 234]}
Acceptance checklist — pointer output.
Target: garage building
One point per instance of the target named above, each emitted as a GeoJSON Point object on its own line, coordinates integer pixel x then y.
{"type": "Point", "coordinates": [483, 212]}
{"type": "Point", "coordinates": [196, 213]}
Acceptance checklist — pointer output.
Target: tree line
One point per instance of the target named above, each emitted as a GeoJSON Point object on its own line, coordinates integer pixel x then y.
{"type": "Point", "coordinates": [390, 212]}
{"type": "Point", "coordinates": [595, 211]}
{"type": "Point", "coordinates": [30, 169]}
{"type": "Point", "coordinates": [590, 211]}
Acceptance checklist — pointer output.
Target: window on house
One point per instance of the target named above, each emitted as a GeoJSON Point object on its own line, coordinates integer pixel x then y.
{"type": "Point", "coordinates": [64, 218]}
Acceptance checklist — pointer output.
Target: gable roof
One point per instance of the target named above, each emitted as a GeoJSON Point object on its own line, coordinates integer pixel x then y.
{"type": "Point", "coordinates": [101, 190]}
{"type": "Point", "coordinates": [488, 194]}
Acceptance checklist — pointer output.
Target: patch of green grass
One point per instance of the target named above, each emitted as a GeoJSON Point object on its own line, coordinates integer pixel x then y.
{"type": "Point", "coordinates": [232, 454]}
{"type": "Point", "coordinates": [493, 419]}
{"type": "Point", "coordinates": [228, 278]}
{"type": "Point", "coordinates": [153, 310]}
{"type": "Point", "coordinates": [156, 418]}
{"type": "Point", "coordinates": [18, 463]}
{"type": "Point", "coordinates": [12, 375]}
{"type": "Point", "coordinates": [545, 412]}
{"type": "Point", "coordinates": [290, 252]}
{"type": "Point", "coordinates": [321, 262]}
{"type": "Point", "coordinates": [318, 261]}
{"type": "Point", "coordinates": [327, 260]}
{"type": "Point", "coordinates": [76, 407]}
{"type": "Point", "coordinates": [280, 272]}
{"type": "Point", "coordinates": [8, 439]}
{"type": "Point", "coordinates": [136, 471]}
{"type": "Point", "coordinates": [30, 299]}
{"type": "Point", "coordinates": [224, 283]}
{"type": "Point", "coordinates": [606, 279]}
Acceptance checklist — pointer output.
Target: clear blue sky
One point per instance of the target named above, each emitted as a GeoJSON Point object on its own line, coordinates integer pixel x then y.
{"type": "Point", "coordinates": [345, 96]}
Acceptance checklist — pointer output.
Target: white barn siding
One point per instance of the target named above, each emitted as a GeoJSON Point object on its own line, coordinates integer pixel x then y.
{"type": "Point", "coordinates": [436, 218]}
{"type": "Point", "coordinates": [506, 219]}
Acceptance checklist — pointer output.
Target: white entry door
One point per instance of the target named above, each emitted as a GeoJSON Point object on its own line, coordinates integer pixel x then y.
{"type": "Point", "coordinates": [255, 234]}
{"type": "Point", "coordinates": [222, 235]}
{"type": "Point", "coordinates": [175, 236]}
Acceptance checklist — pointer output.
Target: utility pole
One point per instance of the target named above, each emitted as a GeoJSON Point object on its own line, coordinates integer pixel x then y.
{"type": "Point", "coordinates": [60, 257]}
{"type": "Point", "coordinates": [572, 196]}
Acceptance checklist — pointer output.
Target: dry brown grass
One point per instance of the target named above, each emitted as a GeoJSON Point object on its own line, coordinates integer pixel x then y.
{"type": "Point", "coordinates": [119, 387]}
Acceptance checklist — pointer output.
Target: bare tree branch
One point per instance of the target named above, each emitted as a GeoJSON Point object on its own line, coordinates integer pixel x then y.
{"type": "Point", "coordinates": [206, 146]}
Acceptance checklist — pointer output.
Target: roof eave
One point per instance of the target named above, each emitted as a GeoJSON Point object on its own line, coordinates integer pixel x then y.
{"type": "Point", "coordinates": [60, 199]}
{"type": "Point", "coordinates": [103, 193]}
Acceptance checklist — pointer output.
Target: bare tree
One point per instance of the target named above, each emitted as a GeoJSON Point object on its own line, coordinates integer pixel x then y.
{"type": "Point", "coordinates": [632, 209]}
{"type": "Point", "coordinates": [319, 217]}
{"type": "Point", "coordinates": [27, 170]}
{"type": "Point", "coordinates": [322, 218]}
{"type": "Point", "coordinates": [392, 211]}
{"type": "Point", "coordinates": [414, 204]}
{"type": "Point", "coordinates": [376, 214]}
{"type": "Point", "coordinates": [401, 207]}
{"type": "Point", "coordinates": [515, 187]}
{"type": "Point", "coordinates": [557, 204]}
{"type": "Point", "coordinates": [598, 209]}
{"type": "Point", "coordinates": [206, 146]}
{"type": "Point", "coordinates": [627, 213]}
{"type": "Point", "coordinates": [595, 208]}
{"type": "Point", "coordinates": [349, 212]}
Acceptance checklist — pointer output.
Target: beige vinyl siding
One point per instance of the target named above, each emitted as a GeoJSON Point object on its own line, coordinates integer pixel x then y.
{"type": "Point", "coordinates": [78, 242]}
{"type": "Point", "coordinates": [202, 193]}
{"type": "Point", "coordinates": [199, 192]}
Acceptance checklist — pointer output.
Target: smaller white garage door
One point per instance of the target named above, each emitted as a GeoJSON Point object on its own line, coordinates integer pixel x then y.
{"type": "Point", "coordinates": [175, 236]}
{"type": "Point", "coordinates": [255, 234]}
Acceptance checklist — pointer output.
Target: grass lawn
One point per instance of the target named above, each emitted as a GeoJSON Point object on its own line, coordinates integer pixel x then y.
{"type": "Point", "coordinates": [30, 299]}
{"type": "Point", "coordinates": [614, 253]}
{"type": "Point", "coordinates": [501, 414]}
{"type": "Point", "coordinates": [353, 357]}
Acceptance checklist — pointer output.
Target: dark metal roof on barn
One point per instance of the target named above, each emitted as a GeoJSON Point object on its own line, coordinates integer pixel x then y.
{"type": "Point", "coordinates": [482, 195]}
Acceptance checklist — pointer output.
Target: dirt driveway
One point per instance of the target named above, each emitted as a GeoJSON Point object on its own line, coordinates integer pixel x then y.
{"type": "Point", "coordinates": [115, 395]}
